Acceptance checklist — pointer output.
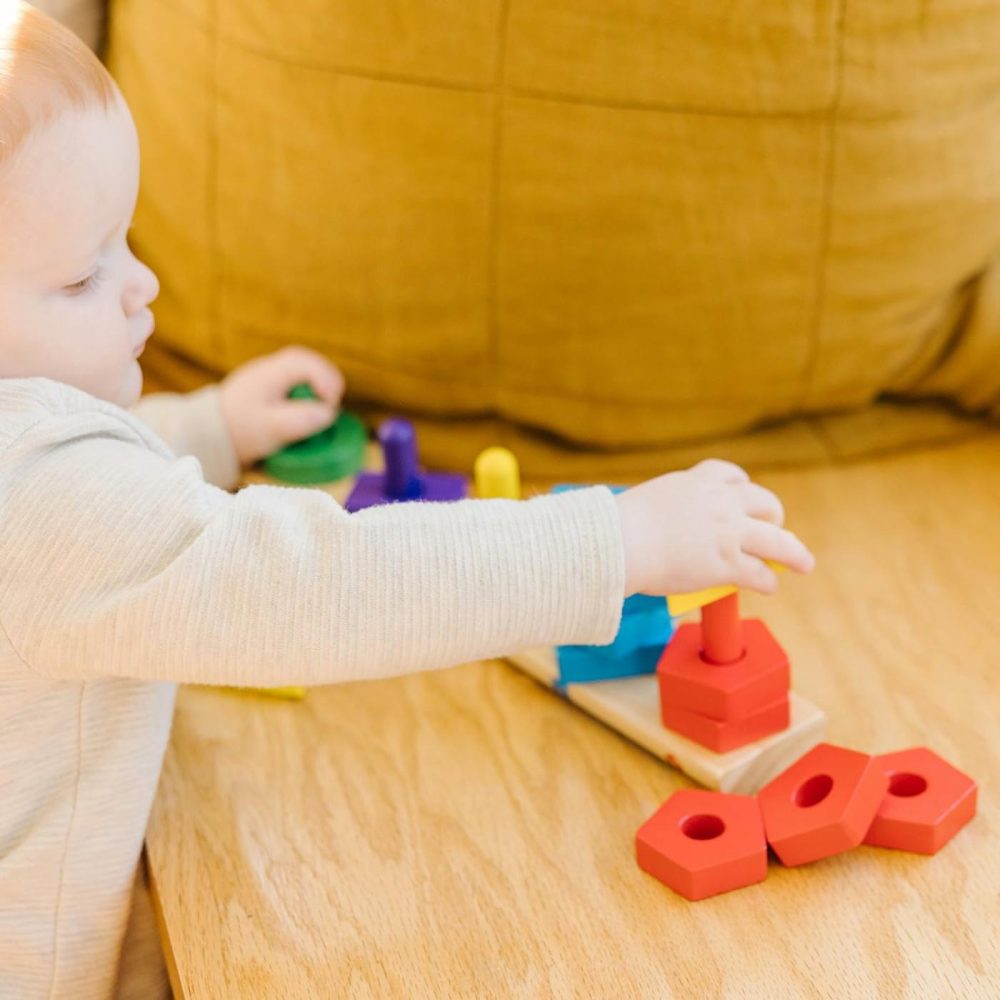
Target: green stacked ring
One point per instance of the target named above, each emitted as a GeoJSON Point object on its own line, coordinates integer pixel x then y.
{"type": "Point", "coordinates": [333, 453]}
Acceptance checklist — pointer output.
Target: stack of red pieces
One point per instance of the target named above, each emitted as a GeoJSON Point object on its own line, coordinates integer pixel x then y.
{"type": "Point", "coordinates": [701, 843]}
{"type": "Point", "coordinates": [724, 683]}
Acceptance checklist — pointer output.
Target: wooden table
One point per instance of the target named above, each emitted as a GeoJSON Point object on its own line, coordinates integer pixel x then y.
{"type": "Point", "coordinates": [466, 833]}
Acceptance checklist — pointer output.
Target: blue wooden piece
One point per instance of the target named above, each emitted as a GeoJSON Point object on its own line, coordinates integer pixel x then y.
{"type": "Point", "coordinates": [645, 629]}
{"type": "Point", "coordinates": [584, 664]}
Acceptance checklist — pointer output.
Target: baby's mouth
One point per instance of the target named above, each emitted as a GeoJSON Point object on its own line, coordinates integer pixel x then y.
{"type": "Point", "coordinates": [149, 333]}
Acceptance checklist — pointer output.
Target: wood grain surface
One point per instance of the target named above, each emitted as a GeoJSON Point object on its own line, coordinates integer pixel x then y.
{"type": "Point", "coordinates": [466, 833]}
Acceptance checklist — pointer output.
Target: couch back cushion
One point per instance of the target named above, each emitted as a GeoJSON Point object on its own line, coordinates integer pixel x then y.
{"type": "Point", "coordinates": [578, 226]}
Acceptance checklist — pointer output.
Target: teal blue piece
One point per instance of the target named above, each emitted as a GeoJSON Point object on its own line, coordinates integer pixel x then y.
{"type": "Point", "coordinates": [585, 664]}
{"type": "Point", "coordinates": [644, 604]}
{"type": "Point", "coordinates": [645, 629]}
{"type": "Point", "coordinates": [636, 649]}
{"type": "Point", "coordinates": [568, 487]}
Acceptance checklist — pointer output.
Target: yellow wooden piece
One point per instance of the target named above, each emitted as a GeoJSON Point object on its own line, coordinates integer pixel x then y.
{"type": "Point", "coordinates": [290, 693]}
{"type": "Point", "coordinates": [497, 474]}
{"type": "Point", "coordinates": [680, 604]}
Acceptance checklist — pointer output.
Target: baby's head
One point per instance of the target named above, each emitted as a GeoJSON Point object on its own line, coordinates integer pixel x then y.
{"type": "Point", "coordinates": [74, 300]}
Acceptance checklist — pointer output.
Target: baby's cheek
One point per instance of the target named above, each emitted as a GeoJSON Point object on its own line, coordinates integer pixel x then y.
{"type": "Point", "coordinates": [106, 339]}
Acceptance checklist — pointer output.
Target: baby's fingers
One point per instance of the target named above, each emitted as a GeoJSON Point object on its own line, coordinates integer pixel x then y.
{"type": "Point", "coordinates": [767, 541]}
{"type": "Point", "coordinates": [762, 503]}
{"type": "Point", "coordinates": [751, 573]}
{"type": "Point", "coordinates": [295, 364]}
{"type": "Point", "coordinates": [300, 418]}
{"type": "Point", "coordinates": [721, 470]}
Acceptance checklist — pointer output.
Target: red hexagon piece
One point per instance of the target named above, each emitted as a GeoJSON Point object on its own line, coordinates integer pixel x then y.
{"type": "Point", "coordinates": [927, 803]}
{"type": "Point", "coordinates": [702, 843]}
{"type": "Point", "coordinates": [822, 805]}
{"type": "Point", "coordinates": [725, 690]}
{"type": "Point", "coordinates": [722, 736]}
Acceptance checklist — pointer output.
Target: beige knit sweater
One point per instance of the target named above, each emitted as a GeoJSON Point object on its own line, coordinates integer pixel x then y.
{"type": "Point", "coordinates": [128, 566]}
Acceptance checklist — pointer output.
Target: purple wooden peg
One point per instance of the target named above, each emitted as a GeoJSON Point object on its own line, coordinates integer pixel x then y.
{"type": "Point", "coordinates": [399, 451]}
{"type": "Point", "coordinates": [402, 479]}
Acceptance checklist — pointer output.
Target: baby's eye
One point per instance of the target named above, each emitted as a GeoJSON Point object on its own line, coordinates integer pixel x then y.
{"type": "Point", "coordinates": [83, 285]}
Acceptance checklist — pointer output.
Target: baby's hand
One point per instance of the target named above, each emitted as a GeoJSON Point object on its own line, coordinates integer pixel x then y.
{"type": "Point", "coordinates": [705, 527]}
{"type": "Point", "coordinates": [260, 416]}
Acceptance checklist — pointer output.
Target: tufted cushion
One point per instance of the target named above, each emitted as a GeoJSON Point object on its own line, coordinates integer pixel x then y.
{"type": "Point", "coordinates": [611, 233]}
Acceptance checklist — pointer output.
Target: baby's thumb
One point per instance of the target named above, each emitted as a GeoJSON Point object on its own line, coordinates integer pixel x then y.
{"type": "Point", "coordinates": [302, 418]}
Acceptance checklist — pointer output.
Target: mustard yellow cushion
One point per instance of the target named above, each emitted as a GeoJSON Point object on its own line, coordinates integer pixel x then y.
{"type": "Point", "coordinates": [611, 234]}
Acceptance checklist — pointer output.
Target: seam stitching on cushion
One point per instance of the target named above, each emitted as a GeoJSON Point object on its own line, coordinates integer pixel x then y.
{"type": "Point", "coordinates": [818, 114]}
{"type": "Point", "coordinates": [212, 195]}
{"type": "Point", "coordinates": [69, 837]}
{"type": "Point", "coordinates": [529, 93]}
{"type": "Point", "coordinates": [826, 220]}
{"type": "Point", "coordinates": [619, 104]}
{"type": "Point", "coordinates": [493, 208]}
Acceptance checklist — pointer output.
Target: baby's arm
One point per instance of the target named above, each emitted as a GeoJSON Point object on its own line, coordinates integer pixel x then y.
{"type": "Point", "coordinates": [121, 562]}
{"type": "Point", "coordinates": [192, 423]}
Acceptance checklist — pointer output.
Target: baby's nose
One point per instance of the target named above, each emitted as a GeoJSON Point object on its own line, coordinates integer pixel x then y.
{"type": "Point", "coordinates": [149, 282]}
{"type": "Point", "coordinates": [143, 288]}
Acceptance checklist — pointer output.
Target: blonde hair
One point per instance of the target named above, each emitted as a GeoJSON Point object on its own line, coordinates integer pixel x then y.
{"type": "Point", "coordinates": [45, 70]}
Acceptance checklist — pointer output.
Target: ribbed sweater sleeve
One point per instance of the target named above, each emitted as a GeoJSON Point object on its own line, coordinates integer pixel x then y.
{"type": "Point", "coordinates": [121, 561]}
{"type": "Point", "coordinates": [192, 423]}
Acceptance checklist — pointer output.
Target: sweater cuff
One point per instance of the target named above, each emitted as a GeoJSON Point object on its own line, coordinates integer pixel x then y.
{"type": "Point", "coordinates": [212, 443]}
{"type": "Point", "coordinates": [589, 589]}
{"type": "Point", "coordinates": [192, 423]}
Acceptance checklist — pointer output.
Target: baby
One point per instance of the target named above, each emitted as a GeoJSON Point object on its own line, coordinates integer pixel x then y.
{"type": "Point", "coordinates": [129, 565]}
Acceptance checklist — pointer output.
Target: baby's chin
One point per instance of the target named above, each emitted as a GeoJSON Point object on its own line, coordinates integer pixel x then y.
{"type": "Point", "coordinates": [131, 389]}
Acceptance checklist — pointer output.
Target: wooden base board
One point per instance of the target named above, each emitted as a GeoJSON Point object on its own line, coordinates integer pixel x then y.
{"type": "Point", "coordinates": [631, 705]}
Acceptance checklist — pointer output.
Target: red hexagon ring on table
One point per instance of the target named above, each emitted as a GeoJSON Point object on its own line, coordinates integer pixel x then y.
{"type": "Point", "coordinates": [928, 801]}
{"type": "Point", "coordinates": [822, 805]}
{"type": "Point", "coordinates": [701, 843]}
